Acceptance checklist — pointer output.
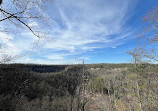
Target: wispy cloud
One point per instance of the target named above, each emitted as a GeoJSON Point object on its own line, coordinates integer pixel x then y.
{"type": "Point", "coordinates": [42, 61]}
{"type": "Point", "coordinates": [78, 27]}
{"type": "Point", "coordinates": [7, 45]}
{"type": "Point", "coordinates": [84, 25]}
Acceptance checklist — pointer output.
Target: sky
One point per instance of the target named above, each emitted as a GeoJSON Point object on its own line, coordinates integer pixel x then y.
{"type": "Point", "coordinates": [96, 31]}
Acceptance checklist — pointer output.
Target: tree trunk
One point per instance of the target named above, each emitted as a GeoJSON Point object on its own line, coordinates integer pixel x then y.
{"type": "Point", "coordinates": [138, 93]}
{"type": "Point", "coordinates": [71, 106]}
{"type": "Point", "coordinates": [78, 101]}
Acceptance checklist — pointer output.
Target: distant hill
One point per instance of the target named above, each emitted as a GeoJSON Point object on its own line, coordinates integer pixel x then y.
{"type": "Point", "coordinates": [40, 68]}
{"type": "Point", "coordinates": [34, 67]}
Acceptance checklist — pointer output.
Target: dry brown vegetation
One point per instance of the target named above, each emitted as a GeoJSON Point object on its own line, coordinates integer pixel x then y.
{"type": "Point", "coordinates": [124, 89]}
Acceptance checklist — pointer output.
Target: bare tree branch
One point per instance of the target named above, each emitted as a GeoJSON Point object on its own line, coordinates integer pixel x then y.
{"type": "Point", "coordinates": [148, 37]}
{"type": "Point", "coordinates": [17, 18]}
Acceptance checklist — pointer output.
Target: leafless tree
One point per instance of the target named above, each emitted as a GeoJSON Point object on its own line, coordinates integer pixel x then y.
{"type": "Point", "coordinates": [146, 50]}
{"type": "Point", "coordinates": [22, 15]}
{"type": "Point", "coordinates": [148, 36]}
{"type": "Point", "coordinates": [20, 12]}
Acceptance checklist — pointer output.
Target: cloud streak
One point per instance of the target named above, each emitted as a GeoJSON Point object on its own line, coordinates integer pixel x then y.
{"type": "Point", "coordinates": [78, 27]}
{"type": "Point", "coordinates": [85, 24]}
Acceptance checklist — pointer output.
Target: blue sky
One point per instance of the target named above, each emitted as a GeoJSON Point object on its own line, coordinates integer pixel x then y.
{"type": "Point", "coordinates": [97, 31]}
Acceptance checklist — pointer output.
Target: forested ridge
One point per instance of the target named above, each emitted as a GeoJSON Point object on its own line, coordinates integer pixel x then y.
{"type": "Point", "coordinates": [34, 67]}
{"type": "Point", "coordinates": [19, 83]}
{"type": "Point", "coordinates": [68, 31]}
{"type": "Point", "coordinates": [24, 88]}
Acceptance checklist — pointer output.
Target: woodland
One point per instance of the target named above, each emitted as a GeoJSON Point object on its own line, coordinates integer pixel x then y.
{"type": "Point", "coordinates": [77, 87]}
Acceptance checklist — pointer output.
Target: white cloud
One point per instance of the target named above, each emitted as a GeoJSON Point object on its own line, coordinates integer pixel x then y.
{"type": "Point", "coordinates": [55, 57]}
{"type": "Point", "coordinates": [7, 48]}
{"type": "Point", "coordinates": [84, 24]}
{"type": "Point", "coordinates": [77, 27]}
{"type": "Point", "coordinates": [84, 58]}
{"type": "Point", "coordinates": [42, 61]}
{"type": "Point", "coordinates": [33, 24]}
{"type": "Point", "coordinates": [6, 42]}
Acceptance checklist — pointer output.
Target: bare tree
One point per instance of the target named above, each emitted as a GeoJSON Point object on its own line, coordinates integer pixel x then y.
{"type": "Point", "coordinates": [21, 12]}
{"type": "Point", "coordinates": [19, 16]}
{"type": "Point", "coordinates": [146, 50]}
{"type": "Point", "coordinates": [148, 36]}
